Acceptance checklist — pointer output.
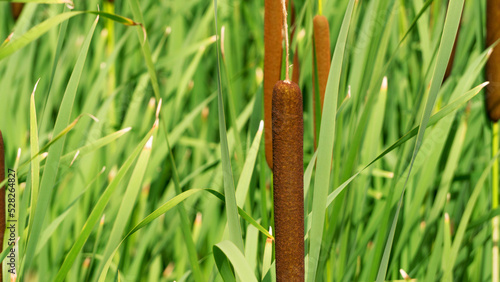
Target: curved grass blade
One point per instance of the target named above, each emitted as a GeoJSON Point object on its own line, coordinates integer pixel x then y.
{"type": "Point", "coordinates": [462, 227]}
{"type": "Point", "coordinates": [40, 29]}
{"type": "Point", "coordinates": [451, 24]}
{"type": "Point", "coordinates": [97, 211]}
{"type": "Point", "coordinates": [432, 120]}
{"type": "Point", "coordinates": [325, 147]}
{"type": "Point", "coordinates": [234, 255]}
{"type": "Point", "coordinates": [35, 163]}
{"type": "Point", "coordinates": [53, 159]}
{"type": "Point", "coordinates": [52, 227]}
{"type": "Point", "coordinates": [128, 202]}
{"type": "Point", "coordinates": [248, 167]}
{"type": "Point", "coordinates": [243, 214]}
{"type": "Point", "coordinates": [233, 222]}
{"type": "Point", "coordinates": [155, 214]}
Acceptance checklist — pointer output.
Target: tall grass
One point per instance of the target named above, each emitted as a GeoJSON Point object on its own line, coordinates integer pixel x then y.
{"type": "Point", "coordinates": [397, 188]}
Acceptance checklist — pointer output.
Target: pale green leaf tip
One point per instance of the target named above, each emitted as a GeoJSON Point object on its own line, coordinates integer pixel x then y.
{"type": "Point", "coordinates": [158, 109]}
{"type": "Point", "coordinates": [125, 130]}
{"type": "Point", "coordinates": [149, 144]}
{"type": "Point", "coordinates": [74, 158]}
{"type": "Point", "coordinates": [384, 84]}
{"type": "Point", "coordinates": [404, 274]}
{"type": "Point", "coordinates": [34, 88]}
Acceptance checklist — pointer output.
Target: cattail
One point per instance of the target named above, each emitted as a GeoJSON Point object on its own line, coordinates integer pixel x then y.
{"type": "Point", "coordinates": [322, 49]}
{"type": "Point", "coordinates": [288, 129]}
{"type": "Point", "coordinates": [321, 61]}
{"type": "Point", "coordinates": [493, 64]}
{"type": "Point", "coordinates": [288, 170]}
{"type": "Point", "coordinates": [2, 195]}
{"type": "Point", "coordinates": [16, 9]}
{"type": "Point", "coordinates": [273, 23]}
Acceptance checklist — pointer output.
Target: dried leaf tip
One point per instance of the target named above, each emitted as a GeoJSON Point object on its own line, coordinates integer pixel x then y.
{"type": "Point", "coordinates": [34, 88]}
{"type": "Point", "coordinates": [93, 117]}
{"type": "Point", "coordinates": [158, 109]}
{"type": "Point", "coordinates": [384, 84]}
{"type": "Point", "coordinates": [18, 154]}
{"type": "Point", "coordinates": [74, 158]}
{"type": "Point", "coordinates": [149, 144]}
{"type": "Point", "coordinates": [102, 219]}
{"type": "Point", "coordinates": [222, 36]}
{"type": "Point", "coordinates": [125, 130]}
{"type": "Point", "coordinates": [261, 126]}
{"type": "Point", "coordinates": [69, 4]}
{"type": "Point", "coordinates": [446, 218]}
{"type": "Point", "coordinates": [404, 274]}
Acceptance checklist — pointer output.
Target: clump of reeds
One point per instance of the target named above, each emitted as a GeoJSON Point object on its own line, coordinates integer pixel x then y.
{"type": "Point", "coordinates": [288, 165]}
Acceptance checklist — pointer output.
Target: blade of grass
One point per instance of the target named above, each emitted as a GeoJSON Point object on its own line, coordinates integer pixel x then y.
{"type": "Point", "coordinates": [237, 259]}
{"type": "Point", "coordinates": [155, 214]}
{"type": "Point", "coordinates": [325, 147]}
{"type": "Point", "coordinates": [233, 222]}
{"type": "Point", "coordinates": [52, 163]}
{"type": "Point", "coordinates": [248, 167]}
{"type": "Point", "coordinates": [452, 22]}
{"type": "Point", "coordinates": [40, 29]}
{"type": "Point", "coordinates": [99, 208]}
{"type": "Point", "coordinates": [128, 202]}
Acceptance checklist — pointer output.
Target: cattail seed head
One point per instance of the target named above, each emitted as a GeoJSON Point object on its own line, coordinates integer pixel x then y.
{"type": "Point", "coordinates": [493, 64]}
{"type": "Point", "coordinates": [273, 24]}
{"type": "Point", "coordinates": [288, 165]}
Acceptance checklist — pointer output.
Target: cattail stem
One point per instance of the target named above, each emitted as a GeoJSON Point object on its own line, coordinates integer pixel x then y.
{"type": "Point", "coordinates": [494, 204]}
{"type": "Point", "coordinates": [288, 129]}
{"type": "Point", "coordinates": [272, 67]}
{"type": "Point", "coordinates": [296, 64]}
{"type": "Point", "coordinates": [287, 48]}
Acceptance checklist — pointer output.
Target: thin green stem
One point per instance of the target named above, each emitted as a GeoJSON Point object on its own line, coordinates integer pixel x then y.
{"type": "Point", "coordinates": [494, 204]}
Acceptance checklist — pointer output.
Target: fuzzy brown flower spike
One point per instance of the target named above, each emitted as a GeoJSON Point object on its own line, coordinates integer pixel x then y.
{"type": "Point", "coordinates": [288, 169]}
{"type": "Point", "coordinates": [493, 65]}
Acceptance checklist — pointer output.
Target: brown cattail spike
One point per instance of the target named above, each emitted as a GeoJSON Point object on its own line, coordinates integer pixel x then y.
{"type": "Point", "coordinates": [288, 132]}
{"type": "Point", "coordinates": [322, 49]}
{"type": "Point", "coordinates": [273, 23]}
{"type": "Point", "coordinates": [16, 9]}
{"type": "Point", "coordinates": [2, 195]}
{"type": "Point", "coordinates": [493, 64]}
